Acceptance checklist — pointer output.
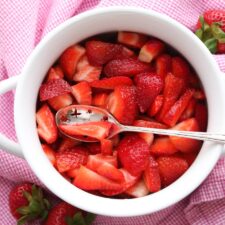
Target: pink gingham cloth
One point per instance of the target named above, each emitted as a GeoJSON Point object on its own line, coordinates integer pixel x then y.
{"type": "Point", "coordinates": [23, 23]}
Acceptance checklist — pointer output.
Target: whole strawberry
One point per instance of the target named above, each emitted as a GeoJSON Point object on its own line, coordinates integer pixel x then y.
{"type": "Point", "coordinates": [65, 214]}
{"type": "Point", "coordinates": [27, 203]}
{"type": "Point", "coordinates": [211, 30]}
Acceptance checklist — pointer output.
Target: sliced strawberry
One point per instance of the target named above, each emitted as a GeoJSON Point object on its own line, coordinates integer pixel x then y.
{"type": "Point", "coordinates": [86, 72]}
{"type": "Point", "coordinates": [99, 158]}
{"type": "Point", "coordinates": [199, 95]}
{"type": "Point", "coordinates": [104, 169]}
{"type": "Point", "coordinates": [171, 168]}
{"type": "Point", "coordinates": [162, 146]}
{"type": "Point", "coordinates": [98, 130]}
{"type": "Point", "coordinates": [71, 158]}
{"type": "Point", "coordinates": [201, 115]}
{"type": "Point", "coordinates": [125, 67]}
{"type": "Point", "coordinates": [138, 190]}
{"type": "Point", "coordinates": [73, 172]}
{"type": "Point", "coordinates": [151, 50]}
{"type": "Point", "coordinates": [60, 101]}
{"type": "Point", "coordinates": [94, 148]}
{"type": "Point", "coordinates": [135, 40]}
{"type": "Point", "coordinates": [99, 99]}
{"type": "Point", "coordinates": [124, 54]}
{"type": "Point", "coordinates": [221, 48]}
{"type": "Point", "coordinates": [47, 129]}
{"type": "Point", "coordinates": [55, 73]}
{"type": "Point", "coordinates": [149, 85]}
{"type": "Point", "coordinates": [69, 59]}
{"type": "Point", "coordinates": [50, 153]}
{"type": "Point", "coordinates": [82, 92]}
{"type": "Point", "coordinates": [67, 143]}
{"type": "Point", "coordinates": [155, 106]}
{"type": "Point", "coordinates": [189, 157]}
{"type": "Point", "coordinates": [53, 88]}
{"type": "Point", "coordinates": [172, 90]}
{"type": "Point", "coordinates": [180, 67]}
{"type": "Point", "coordinates": [163, 65]}
{"type": "Point", "coordinates": [122, 103]}
{"type": "Point", "coordinates": [112, 82]}
{"type": "Point", "coordinates": [193, 81]}
{"type": "Point", "coordinates": [106, 147]}
{"type": "Point", "coordinates": [189, 111]}
{"type": "Point", "coordinates": [173, 115]}
{"type": "Point", "coordinates": [133, 153]}
{"type": "Point", "coordinates": [115, 140]}
{"type": "Point", "coordinates": [87, 179]}
{"type": "Point", "coordinates": [186, 144]}
{"type": "Point", "coordinates": [151, 176]}
{"type": "Point", "coordinates": [99, 52]}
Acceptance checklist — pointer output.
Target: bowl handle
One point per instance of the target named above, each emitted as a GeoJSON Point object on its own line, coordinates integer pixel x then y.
{"type": "Point", "coordinates": [5, 143]}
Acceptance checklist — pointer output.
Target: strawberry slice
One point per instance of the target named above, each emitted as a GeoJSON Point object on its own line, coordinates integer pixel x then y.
{"type": "Point", "coordinates": [186, 144]}
{"type": "Point", "coordinates": [189, 111]}
{"type": "Point", "coordinates": [60, 101]}
{"type": "Point", "coordinates": [112, 82]}
{"type": "Point", "coordinates": [189, 157]}
{"type": "Point", "coordinates": [138, 190]}
{"type": "Point", "coordinates": [106, 147]}
{"type": "Point", "coordinates": [98, 130]}
{"type": "Point", "coordinates": [149, 85]}
{"type": "Point", "coordinates": [122, 103]}
{"type": "Point", "coordinates": [171, 168]}
{"type": "Point", "coordinates": [151, 176]}
{"type": "Point", "coordinates": [55, 73]}
{"type": "Point", "coordinates": [99, 52]}
{"type": "Point", "coordinates": [47, 129]}
{"type": "Point", "coordinates": [67, 143]}
{"type": "Point", "coordinates": [180, 67]}
{"type": "Point", "coordinates": [201, 115]}
{"type": "Point", "coordinates": [82, 92]}
{"type": "Point", "coordinates": [133, 153]}
{"type": "Point", "coordinates": [99, 99]}
{"type": "Point", "coordinates": [112, 160]}
{"type": "Point", "coordinates": [173, 115]}
{"type": "Point", "coordinates": [73, 172]}
{"type": "Point", "coordinates": [53, 88]}
{"type": "Point", "coordinates": [50, 153]}
{"type": "Point", "coordinates": [199, 94]}
{"type": "Point", "coordinates": [94, 148]}
{"type": "Point", "coordinates": [104, 169]}
{"type": "Point", "coordinates": [69, 59]}
{"type": "Point", "coordinates": [87, 179]}
{"type": "Point", "coordinates": [151, 50]}
{"type": "Point", "coordinates": [125, 67]}
{"type": "Point", "coordinates": [163, 146]}
{"type": "Point", "coordinates": [124, 54]}
{"type": "Point", "coordinates": [155, 106]}
{"type": "Point", "coordinates": [71, 158]}
{"type": "Point", "coordinates": [163, 65]}
{"type": "Point", "coordinates": [132, 39]}
{"type": "Point", "coordinates": [86, 72]}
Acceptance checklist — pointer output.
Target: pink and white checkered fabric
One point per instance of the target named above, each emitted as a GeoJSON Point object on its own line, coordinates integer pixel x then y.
{"type": "Point", "coordinates": [22, 25]}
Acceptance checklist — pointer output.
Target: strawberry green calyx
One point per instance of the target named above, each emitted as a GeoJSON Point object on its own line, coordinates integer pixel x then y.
{"type": "Point", "coordinates": [37, 207]}
{"type": "Point", "coordinates": [80, 219]}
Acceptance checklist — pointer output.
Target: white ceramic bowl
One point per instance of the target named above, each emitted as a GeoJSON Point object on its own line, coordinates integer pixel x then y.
{"type": "Point", "coordinates": [83, 26]}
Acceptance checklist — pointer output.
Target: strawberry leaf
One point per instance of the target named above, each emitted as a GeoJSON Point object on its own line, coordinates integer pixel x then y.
{"type": "Point", "coordinates": [89, 218]}
{"type": "Point", "coordinates": [199, 33]}
{"type": "Point", "coordinates": [211, 44]}
{"type": "Point", "coordinates": [218, 32]}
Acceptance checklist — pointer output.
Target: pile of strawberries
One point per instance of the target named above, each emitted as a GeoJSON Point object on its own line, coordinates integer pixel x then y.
{"type": "Point", "coordinates": [142, 82]}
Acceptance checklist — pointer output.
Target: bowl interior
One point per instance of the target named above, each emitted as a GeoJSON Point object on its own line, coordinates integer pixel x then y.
{"type": "Point", "coordinates": [101, 21]}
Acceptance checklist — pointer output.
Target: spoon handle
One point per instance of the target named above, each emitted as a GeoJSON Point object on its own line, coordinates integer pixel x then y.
{"type": "Point", "coordinates": [204, 136]}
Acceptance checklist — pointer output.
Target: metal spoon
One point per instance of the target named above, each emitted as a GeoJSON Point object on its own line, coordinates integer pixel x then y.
{"type": "Point", "coordinates": [80, 114]}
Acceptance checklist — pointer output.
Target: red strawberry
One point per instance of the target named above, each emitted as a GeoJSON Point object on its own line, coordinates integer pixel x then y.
{"type": "Point", "coordinates": [87, 179]}
{"type": "Point", "coordinates": [55, 73]}
{"type": "Point", "coordinates": [112, 82]}
{"type": "Point", "coordinates": [82, 92]}
{"type": "Point", "coordinates": [163, 65]}
{"type": "Point", "coordinates": [122, 103]}
{"type": "Point", "coordinates": [50, 153]}
{"type": "Point", "coordinates": [60, 101]}
{"type": "Point", "coordinates": [174, 113]}
{"type": "Point", "coordinates": [94, 148]}
{"type": "Point", "coordinates": [189, 157]}
{"type": "Point", "coordinates": [180, 67]}
{"type": "Point", "coordinates": [125, 67]}
{"type": "Point", "coordinates": [162, 146]}
{"type": "Point", "coordinates": [98, 130]}
{"type": "Point", "coordinates": [199, 94]}
{"type": "Point", "coordinates": [171, 168]}
{"type": "Point", "coordinates": [26, 203]}
{"type": "Point", "coordinates": [53, 88]}
{"type": "Point", "coordinates": [151, 176]}
{"type": "Point", "coordinates": [99, 99]}
{"type": "Point", "coordinates": [221, 48]}
{"type": "Point", "coordinates": [132, 39]}
{"type": "Point", "coordinates": [155, 106]}
{"type": "Point", "coordinates": [149, 85]}
{"type": "Point", "coordinates": [69, 59]}
{"type": "Point", "coordinates": [201, 115]}
{"type": "Point", "coordinates": [67, 143]}
{"type": "Point", "coordinates": [138, 190]}
{"type": "Point", "coordinates": [99, 52]}
{"type": "Point", "coordinates": [133, 153]}
{"type": "Point", "coordinates": [186, 144]}
{"type": "Point", "coordinates": [151, 50]}
{"type": "Point", "coordinates": [72, 173]}
{"type": "Point", "coordinates": [112, 160]}
{"type": "Point", "coordinates": [189, 111]}
{"type": "Point", "coordinates": [106, 147]}
{"type": "Point", "coordinates": [124, 54]}
{"type": "Point", "coordinates": [86, 72]}
{"type": "Point", "coordinates": [64, 214]}
{"type": "Point", "coordinates": [71, 158]}
{"type": "Point", "coordinates": [46, 128]}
